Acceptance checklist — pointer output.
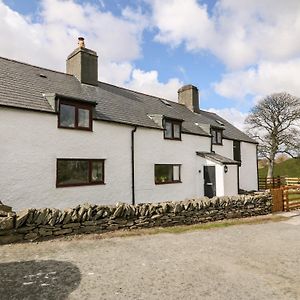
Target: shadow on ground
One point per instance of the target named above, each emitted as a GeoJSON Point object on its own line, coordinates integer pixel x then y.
{"type": "Point", "coordinates": [47, 279]}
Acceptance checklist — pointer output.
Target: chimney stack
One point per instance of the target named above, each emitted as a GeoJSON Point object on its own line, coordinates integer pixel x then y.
{"type": "Point", "coordinates": [189, 96]}
{"type": "Point", "coordinates": [83, 64]}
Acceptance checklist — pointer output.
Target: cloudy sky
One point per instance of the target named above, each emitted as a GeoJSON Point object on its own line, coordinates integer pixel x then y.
{"type": "Point", "coordinates": [234, 51]}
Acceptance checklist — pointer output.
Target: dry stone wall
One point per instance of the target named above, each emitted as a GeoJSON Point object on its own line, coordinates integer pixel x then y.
{"type": "Point", "coordinates": [36, 224]}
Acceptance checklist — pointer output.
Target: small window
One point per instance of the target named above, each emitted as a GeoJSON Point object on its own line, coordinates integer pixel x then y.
{"type": "Point", "coordinates": [75, 115]}
{"type": "Point", "coordinates": [172, 129]}
{"type": "Point", "coordinates": [216, 136]}
{"type": "Point", "coordinates": [237, 150]}
{"type": "Point", "coordinates": [74, 172]}
{"type": "Point", "coordinates": [167, 174]}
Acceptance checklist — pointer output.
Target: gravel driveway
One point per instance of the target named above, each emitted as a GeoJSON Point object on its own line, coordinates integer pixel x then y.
{"type": "Point", "coordinates": [238, 262]}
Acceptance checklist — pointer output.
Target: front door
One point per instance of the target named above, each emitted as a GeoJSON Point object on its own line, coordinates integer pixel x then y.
{"type": "Point", "coordinates": [209, 181]}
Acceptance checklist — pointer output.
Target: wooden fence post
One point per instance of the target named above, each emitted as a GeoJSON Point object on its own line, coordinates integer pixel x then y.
{"type": "Point", "coordinates": [287, 200]}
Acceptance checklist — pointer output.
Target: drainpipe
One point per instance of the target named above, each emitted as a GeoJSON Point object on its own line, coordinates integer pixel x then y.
{"type": "Point", "coordinates": [132, 165]}
{"type": "Point", "coordinates": [211, 145]}
{"type": "Point", "coordinates": [257, 167]}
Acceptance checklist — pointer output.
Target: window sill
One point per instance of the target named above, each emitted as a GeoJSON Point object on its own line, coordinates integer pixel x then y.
{"type": "Point", "coordinates": [172, 139]}
{"type": "Point", "coordinates": [76, 128]}
{"type": "Point", "coordinates": [169, 182]}
{"type": "Point", "coordinates": [79, 184]}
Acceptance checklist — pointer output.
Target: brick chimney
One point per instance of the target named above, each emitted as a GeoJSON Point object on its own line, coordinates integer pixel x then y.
{"type": "Point", "coordinates": [189, 96]}
{"type": "Point", "coordinates": [83, 64]}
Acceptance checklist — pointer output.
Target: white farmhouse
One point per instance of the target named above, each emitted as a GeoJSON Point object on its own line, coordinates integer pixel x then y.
{"type": "Point", "coordinates": [66, 139]}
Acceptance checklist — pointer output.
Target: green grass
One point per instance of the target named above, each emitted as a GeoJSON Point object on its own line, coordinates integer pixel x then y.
{"type": "Point", "coordinates": [294, 196]}
{"type": "Point", "coordinates": [289, 168]}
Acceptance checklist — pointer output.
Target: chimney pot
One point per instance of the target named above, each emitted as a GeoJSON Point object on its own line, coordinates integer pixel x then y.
{"type": "Point", "coordinates": [81, 42]}
{"type": "Point", "coordinates": [188, 95]}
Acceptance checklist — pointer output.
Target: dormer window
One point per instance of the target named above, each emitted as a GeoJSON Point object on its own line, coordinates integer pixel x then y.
{"type": "Point", "coordinates": [216, 136]}
{"type": "Point", "coordinates": [75, 115]}
{"type": "Point", "coordinates": [172, 129]}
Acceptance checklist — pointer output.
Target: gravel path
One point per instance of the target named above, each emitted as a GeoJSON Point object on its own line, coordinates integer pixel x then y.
{"type": "Point", "coordinates": [239, 262]}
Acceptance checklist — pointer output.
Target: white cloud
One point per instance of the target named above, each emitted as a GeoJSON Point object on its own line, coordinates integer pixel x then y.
{"type": "Point", "coordinates": [117, 39]}
{"type": "Point", "coordinates": [257, 40]}
{"type": "Point", "coordinates": [182, 21]}
{"type": "Point", "coordinates": [266, 78]}
{"type": "Point", "coordinates": [232, 115]}
{"type": "Point", "coordinates": [239, 33]}
{"type": "Point", "coordinates": [148, 82]}
{"type": "Point", "coordinates": [61, 22]}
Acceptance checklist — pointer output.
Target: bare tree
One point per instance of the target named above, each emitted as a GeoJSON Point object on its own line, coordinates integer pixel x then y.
{"type": "Point", "coordinates": [275, 122]}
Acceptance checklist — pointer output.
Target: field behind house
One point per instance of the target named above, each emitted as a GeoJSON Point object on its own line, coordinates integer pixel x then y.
{"type": "Point", "coordinates": [288, 168]}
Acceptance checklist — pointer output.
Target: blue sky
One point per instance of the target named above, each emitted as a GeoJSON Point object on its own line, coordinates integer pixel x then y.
{"type": "Point", "coordinates": [234, 51]}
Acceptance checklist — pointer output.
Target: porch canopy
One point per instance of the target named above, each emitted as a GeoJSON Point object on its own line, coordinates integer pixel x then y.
{"type": "Point", "coordinates": [218, 158]}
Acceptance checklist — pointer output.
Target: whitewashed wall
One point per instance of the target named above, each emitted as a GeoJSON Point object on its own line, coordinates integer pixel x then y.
{"type": "Point", "coordinates": [31, 143]}
{"type": "Point", "coordinates": [248, 169]}
{"type": "Point", "coordinates": [226, 149]}
{"type": "Point", "coordinates": [226, 183]}
{"type": "Point", "coordinates": [230, 181]}
{"type": "Point", "coordinates": [151, 148]}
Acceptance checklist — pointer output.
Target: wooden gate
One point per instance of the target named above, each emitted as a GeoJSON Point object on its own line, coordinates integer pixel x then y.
{"type": "Point", "coordinates": [291, 198]}
{"type": "Point", "coordinates": [286, 198]}
{"type": "Point", "coordinates": [277, 197]}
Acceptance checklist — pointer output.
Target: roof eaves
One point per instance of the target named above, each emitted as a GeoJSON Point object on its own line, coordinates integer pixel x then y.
{"type": "Point", "coordinates": [74, 98]}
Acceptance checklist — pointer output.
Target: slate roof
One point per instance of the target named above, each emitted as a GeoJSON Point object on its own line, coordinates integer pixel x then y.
{"type": "Point", "coordinates": [23, 85]}
{"type": "Point", "coordinates": [218, 158]}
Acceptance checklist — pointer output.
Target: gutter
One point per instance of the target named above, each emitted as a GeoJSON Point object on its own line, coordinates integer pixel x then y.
{"type": "Point", "coordinates": [132, 165]}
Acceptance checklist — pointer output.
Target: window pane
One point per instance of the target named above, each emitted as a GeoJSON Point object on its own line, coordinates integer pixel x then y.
{"type": "Point", "coordinates": [67, 115]}
{"type": "Point", "coordinates": [176, 131]}
{"type": "Point", "coordinates": [72, 172]}
{"type": "Point", "coordinates": [168, 129]}
{"type": "Point", "coordinates": [176, 173]}
{"type": "Point", "coordinates": [163, 173]}
{"type": "Point", "coordinates": [83, 118]}
{"type": "Point", "coordinates": [219, 137]}
{"type": "Point", "coordinates": [97, 171]}
{"type": "Point", "coordinates": [236, 150]}
{"type": "Point", "coordinates": [214, 136]}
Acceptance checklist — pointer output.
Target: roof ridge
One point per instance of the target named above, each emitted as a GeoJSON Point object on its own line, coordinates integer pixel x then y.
{"type": "Point", "coordinates": [137, 92]}
{"type": "Point", "coordinates": [31, 65]}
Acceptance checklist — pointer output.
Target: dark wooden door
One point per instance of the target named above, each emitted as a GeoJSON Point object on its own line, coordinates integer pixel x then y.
{"type": "Point", "coordinates": [209, 181]}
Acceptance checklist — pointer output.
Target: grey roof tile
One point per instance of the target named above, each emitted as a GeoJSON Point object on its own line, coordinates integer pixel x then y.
{"type": "Point", "coordinates": [21, 85]}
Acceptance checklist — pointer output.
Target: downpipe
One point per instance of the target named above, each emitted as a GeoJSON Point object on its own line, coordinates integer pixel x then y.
{"type": "Point", "coordinates": [133, 165]}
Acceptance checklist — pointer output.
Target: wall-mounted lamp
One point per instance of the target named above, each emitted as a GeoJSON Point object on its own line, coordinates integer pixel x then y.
{"type": "Point", "coordinates": [225, 169]}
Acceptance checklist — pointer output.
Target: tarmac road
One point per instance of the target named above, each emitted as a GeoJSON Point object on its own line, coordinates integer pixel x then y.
{"type": "Point", "coordinates": [239, 262]}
